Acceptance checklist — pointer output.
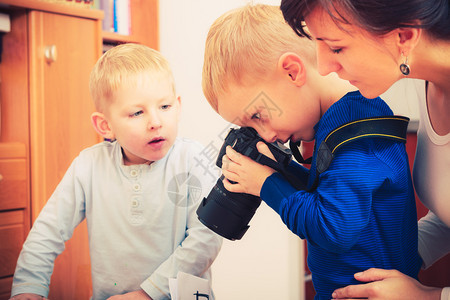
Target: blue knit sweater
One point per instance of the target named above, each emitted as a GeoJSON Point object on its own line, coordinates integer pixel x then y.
{"type": "Point", "coordinates": [362, 213]}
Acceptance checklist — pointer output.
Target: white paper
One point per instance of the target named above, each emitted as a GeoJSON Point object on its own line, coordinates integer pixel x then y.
{"type": "Point", "coordinates": [189, 287]}
{"type": "Point", "coordinates": [173, 288]}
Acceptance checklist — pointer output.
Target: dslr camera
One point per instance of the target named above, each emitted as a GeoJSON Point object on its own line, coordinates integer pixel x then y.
{"type": "Point", "coordinates": [227, 213]}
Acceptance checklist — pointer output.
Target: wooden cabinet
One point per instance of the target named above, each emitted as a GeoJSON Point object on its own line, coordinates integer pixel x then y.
{"type": "Point", "coordinates": [60, 104]}
{"type": "Point", "coordinates": [45, 121]}
{"type": "Point", "coordinates": [14, 150]}
{"type": "Point", "coordinates": [14, 213]}
{"type": "Point", "coordinates": [45, 114]}
{"type": "Point", "coordinates": [60, 109]}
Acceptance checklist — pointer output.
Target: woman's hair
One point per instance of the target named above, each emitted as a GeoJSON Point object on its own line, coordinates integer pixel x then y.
{"type": "Point", "coordinates": [122, 65]}
{"type": "Point", "coordinates": [246, 43]}
{"type": "Point", "coordinates": [376, 16]}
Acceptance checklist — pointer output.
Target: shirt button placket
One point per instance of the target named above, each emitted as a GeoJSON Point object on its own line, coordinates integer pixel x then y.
{"type": "Point", "coordinates": [136, 212]}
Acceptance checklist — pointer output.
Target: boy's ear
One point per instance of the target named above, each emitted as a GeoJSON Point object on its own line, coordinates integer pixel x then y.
{"type": "Point", "coordinates": [179, 106]}
{"type": "Point", "coordinates": [293, 68]}
{"type": "Point", "coordinates": [407, 39]}
{"type": "Point", "coordinates": [179, 101]}
{"type": "Point", "coordinates": [101, 125]}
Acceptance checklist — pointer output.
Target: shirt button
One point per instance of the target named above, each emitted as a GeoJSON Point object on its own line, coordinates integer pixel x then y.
{"type": "Point", "coordinates": [133, 173]}
{"type": "Point", "coordinates": [136, 187]}
{"type": "Point", "coordinates": [135, 203]}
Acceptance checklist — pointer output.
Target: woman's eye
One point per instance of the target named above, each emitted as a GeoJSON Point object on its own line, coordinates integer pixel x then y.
{"type": "Point", "coordinates": [336, 51]}
{"type": "Point", "coordinates": [136, 114]}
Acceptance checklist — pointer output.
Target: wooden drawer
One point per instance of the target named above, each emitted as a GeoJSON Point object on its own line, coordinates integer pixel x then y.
{"type": "Point", "coordinates": [13, 176]}
{"type": "Point", "coordinates": [12, 238]}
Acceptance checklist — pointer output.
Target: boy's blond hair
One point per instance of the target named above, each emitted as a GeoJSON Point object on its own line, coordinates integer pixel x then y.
{"type": "Point", "coordinates": [122, 65]}
{"type": "Point", "coordinates": [246, 43]}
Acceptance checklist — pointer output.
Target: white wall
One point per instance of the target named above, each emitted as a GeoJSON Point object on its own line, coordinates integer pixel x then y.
{"type": "Point", "coordinates": [403, 99]}
{"type": "Point", "coordinates": [267, 263]}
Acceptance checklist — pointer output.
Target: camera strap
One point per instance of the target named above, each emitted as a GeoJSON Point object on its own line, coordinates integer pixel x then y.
{"type": "Point", "coordinates": [283, 170]}
{"type": "Point", "coordinates": [393, 128]}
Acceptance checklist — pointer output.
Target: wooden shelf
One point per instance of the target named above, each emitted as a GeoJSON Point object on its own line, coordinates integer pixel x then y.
{"type": "Point", "coordinates": [144, 25]}
{"type": "Point", "coordinates": [142, 12]}
{"type": "Point", "coordinates": [115, 38]}
{"type": "Point", "coordinates": [55, 7]}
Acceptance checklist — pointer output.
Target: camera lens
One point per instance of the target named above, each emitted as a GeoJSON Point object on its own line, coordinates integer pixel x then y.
{"type": "Point", "coordinates": [227, 213]}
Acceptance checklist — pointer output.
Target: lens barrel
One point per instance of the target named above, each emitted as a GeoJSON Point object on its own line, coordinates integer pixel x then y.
{"type": "Point", "coordinates": [227, 213]}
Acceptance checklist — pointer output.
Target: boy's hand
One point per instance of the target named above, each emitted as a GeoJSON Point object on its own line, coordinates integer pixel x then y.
{"type": "Point", "coordinates": [140, 294]}
{"type": "Point", "coordinates": [28, 296]}
{"type": "Point", "coordinates": [248, 175]}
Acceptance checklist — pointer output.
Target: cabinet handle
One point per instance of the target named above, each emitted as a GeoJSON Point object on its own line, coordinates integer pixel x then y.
{"type": "Point", "coordinates": [50, 53]}
{"type": "Point", "coordinates": [1, 177]}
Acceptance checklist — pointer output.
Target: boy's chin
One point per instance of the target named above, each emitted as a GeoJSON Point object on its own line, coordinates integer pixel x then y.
{"type": "Point", "coordinates": [293, 139]}
{"type": "Point", "coordinates": [160, 153]}
{"type": "Point", "coordinates": [157, 156]}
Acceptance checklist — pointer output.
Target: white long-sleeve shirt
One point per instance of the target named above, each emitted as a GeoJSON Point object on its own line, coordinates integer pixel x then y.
{"type": "Point", "coordinates": [141, 220]}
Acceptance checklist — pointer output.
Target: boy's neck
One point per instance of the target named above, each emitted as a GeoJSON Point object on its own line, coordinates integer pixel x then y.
{"type": "Point", "coordinates": [331, 89]}
{"type": "Point", "coordinates": [127, 161]}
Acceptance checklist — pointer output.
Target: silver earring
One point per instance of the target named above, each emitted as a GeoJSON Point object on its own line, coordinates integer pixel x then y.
{"type": "Point", "coordinates": [404, 67]}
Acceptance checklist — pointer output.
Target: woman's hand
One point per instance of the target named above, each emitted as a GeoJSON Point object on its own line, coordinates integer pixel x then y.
{"type": "Point", "coordinates": [386, 285]}
{"type": "Point", "coordinates": [248, 176]}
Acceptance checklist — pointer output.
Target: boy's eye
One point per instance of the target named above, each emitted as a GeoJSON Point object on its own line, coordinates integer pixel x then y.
{"type": "Point", "coordinates": [256, 116]}
{"type": "Point", "coordinates": [138, 113]}
{"type": "Point", "coordinates": [167, 106]}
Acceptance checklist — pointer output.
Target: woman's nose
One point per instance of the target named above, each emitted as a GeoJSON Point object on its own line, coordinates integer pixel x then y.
{"type": "Point", "coordinates": [326, 60]}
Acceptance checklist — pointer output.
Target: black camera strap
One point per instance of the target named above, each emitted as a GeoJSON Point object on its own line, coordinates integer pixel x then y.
{"type": "Point", "coordinates": [389, 127]}
{"type": "Point", "coordinates": [283, 170]}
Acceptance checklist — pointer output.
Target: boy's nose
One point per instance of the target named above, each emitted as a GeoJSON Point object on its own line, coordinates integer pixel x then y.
{"type": "Point", "coordinates": [269, 136]}
{"type": "Point", "coordinates": [155, 121]}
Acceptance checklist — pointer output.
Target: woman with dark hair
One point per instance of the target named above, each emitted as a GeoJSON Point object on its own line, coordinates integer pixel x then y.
{"type": "Point", "coordinates": [373, 44]}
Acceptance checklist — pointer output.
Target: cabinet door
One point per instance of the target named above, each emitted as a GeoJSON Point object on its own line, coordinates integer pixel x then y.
{"type": "Point", "coordinates": [60, 126]}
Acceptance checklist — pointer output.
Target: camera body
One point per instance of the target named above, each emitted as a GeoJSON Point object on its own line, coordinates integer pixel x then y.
{"type": "Point", "coordinates": [244, 140]}
{"type": "Point", "coordinates": [227, 213]}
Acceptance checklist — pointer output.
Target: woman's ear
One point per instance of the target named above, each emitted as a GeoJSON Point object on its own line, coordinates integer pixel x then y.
{"type": "Point", "coordinates": [293, 68]}
{"type": "Point", "coordinates": [408, 38]}
{"type": "Point", "coordinates": [101, 125]}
